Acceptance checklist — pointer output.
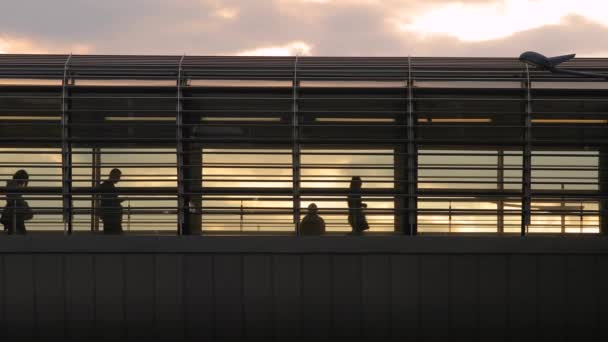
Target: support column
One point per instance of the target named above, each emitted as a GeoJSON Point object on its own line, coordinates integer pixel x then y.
{"type": "Point", "coordinates": [95, 182]}
{"type": "Point", "coordinates": [412, 159]}
{"type": "Point", "coordinates": [193, 175]}
{"type": "Point", "coordinates": [189, 165]}
{"type": "Point", "coordinates": [66, 150]}
{"type": "Point", "coordinates": [182, 204]}
{"type": "Point", "coordinates": [500, 204]}
{"type": "Point", "coordinates": [603, 187]}
{"type": "Point", "coordinates": [527, 158]}
{"type": "Point", "coordinates": [402, 214]}
{"type": "Point", "coordinates": [295, 157]}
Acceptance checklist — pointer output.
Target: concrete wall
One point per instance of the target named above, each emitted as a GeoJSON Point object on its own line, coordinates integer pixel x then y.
{"type": "Point", "coordinates": [384, 288]}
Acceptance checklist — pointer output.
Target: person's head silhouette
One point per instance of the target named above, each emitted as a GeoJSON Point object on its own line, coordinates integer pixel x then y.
{"type": "Point", "coordinates": [312, 209]}
{"type": "Point", "coordinates": [21, 178]}
{"type": "Point", "coordinates": [355, 182]}
{"type": "Point", "coordinates": [115, 175]}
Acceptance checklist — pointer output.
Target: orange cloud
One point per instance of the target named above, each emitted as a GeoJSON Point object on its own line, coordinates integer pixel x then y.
{"type": "Point", "coordinates": [12, 45]}
{"type": "Point", "coordinates": [25, 45]}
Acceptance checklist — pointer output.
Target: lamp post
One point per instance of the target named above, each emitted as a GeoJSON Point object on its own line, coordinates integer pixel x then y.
{"type": "Point", "coordinates": [542, 62]}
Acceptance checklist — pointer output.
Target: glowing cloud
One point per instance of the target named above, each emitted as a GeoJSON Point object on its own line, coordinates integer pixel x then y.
{"type": "Point", "coordinates": [19, 45]}
{"type": "Point", "coordinates": [493, 20]}
{"type": "Point", "coordinates": [227, 13]}
{"type": "Point", "coordinates": [11, 45]}
{"type": "Point", "coordinates": [292, 49]}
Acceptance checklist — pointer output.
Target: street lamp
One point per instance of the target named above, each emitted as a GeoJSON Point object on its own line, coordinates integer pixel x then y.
{"type": "Point", "coordinates": [543, 62]}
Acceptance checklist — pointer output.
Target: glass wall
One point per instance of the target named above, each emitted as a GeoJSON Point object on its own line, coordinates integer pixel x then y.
{"type": "Point", "coordinates": [246, 145]}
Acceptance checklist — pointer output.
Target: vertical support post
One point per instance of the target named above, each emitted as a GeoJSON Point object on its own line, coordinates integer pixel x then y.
{"type": "Point", "coordinates": [95, 181]}
{"type": "Point", "coordinates": [400, 173]}
{"type": "Point", "coordinates": [563, 210]}
{"type": "Point", "coordinates": [500, 176]}
{"type": "Point", "coordinates": [93, 197]}
{"type": "Point", "coordinates": [189, 164]}
{"type": "Point", "coordinates": [527, 158]}
{"type": "Point", "coordinates": [182, 206]}
{"type": "Point", "coordinates": [603, 187]}
{"type": "Point", "coordinates": [412, 157]}
{"type": "Point", "coordinates": [400, 164]}
{"type": "Point", "coordinates": [66, 150]}
{"type": "Point", "coordinates": [295, 157]}
{"type": "Point", "coordinates": [193, 174]}
{"type": "Point", "coordinates": [450, 217]}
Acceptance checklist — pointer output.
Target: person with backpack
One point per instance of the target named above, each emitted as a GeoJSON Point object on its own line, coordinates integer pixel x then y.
{"type": "Point", "coordinates": [16, 210]}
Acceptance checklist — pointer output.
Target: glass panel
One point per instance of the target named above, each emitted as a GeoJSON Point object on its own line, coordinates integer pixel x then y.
{"type": "Point", "coordinates": [83, 180]}
{"type": "Point", "coordinates": [569, 173]}
{"type": "Point", "coordinates": [124, 83]}
{"type": "Point", "coordinates": [460, 116]}
{"type": "Point", "coordinates": [239, 83]}
{"type": "Point", "coordinates": [246, 168]}
{"type": "Point", "coordinates": [570, 85]}
{"type": "Point", "coordinates": [247, 213]}
{"type": "Point", "coordinates": [153, 170]}
{"type": "Point", "coordinates": [29, 117]}
{"type": "Point", "coordinates": [378, 211]}
{"type": "Point", "coordinates": [467, 84]}
{"type": "Point", "coordinates": [457, 169]}
{"type": "Point", "coordinates": [564, 216]}
{"type": "Point", "coordinates": [457, 215]}
{"type": "Point", "coordinates": [235, 182]}
{"type": "Point", "coordinates": [147, 187]}
{"type": "Point", "coordinates": [30, 82]}
{"type": "Point", "coordinates": [565, 170]}
{"type": "Point", "coordinates": [224, 114]}
{"type": "Point", "coordinates": [326, 172]}
{"type": "Point", "coordinates": [128, 116]}
{"type": "Point", "coordinates": [351, 84]}
{"type": "Point", "coordinates": [488, 177]}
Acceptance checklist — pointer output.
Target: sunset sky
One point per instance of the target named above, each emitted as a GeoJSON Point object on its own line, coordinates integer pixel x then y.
{"type": "Point", "coordinates": [305, 27]}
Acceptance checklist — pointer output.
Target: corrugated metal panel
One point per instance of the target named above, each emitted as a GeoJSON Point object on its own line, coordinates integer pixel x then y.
{"type": "Point", "coordinates": [377, 293]}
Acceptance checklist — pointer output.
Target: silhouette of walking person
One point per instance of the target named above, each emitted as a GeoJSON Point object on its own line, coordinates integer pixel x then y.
{"type": "Point", "coordinates": [16, 211]}
{"type": "Point", "coordinates": [110, 207]}
{"type": "Point", "coordinates": [356, 216]}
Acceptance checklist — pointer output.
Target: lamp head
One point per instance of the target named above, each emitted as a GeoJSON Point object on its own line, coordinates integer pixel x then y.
{"type": "Point", "coordinates": [543, 62]}
{"type": "Point", "coordinates": [535, 59]}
